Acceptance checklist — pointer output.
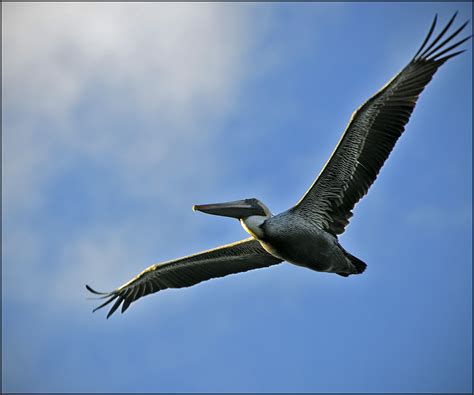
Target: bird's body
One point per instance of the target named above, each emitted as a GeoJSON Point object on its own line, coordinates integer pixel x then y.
{"type": "Point", "coordinates": [298, 241]}
{"type": "Point", "coordinates": [307, 234]}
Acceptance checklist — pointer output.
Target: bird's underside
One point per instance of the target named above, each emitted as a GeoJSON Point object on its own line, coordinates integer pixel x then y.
{"type": "Point", "coordinates": [307, 233]}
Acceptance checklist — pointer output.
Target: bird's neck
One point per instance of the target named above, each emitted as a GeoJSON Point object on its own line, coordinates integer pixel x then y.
{"type": "Point", "coordinates": [252, 225]}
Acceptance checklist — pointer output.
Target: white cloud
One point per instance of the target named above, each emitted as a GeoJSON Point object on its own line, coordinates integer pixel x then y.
{"type": "Point", "coordinates": [180, 57]}
{"type": "Point", "coordinates": [181, 65]}
{"type": "Point", "coordinates": [172, 71]}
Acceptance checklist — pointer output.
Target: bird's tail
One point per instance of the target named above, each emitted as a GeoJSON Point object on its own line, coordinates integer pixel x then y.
{"type": "Point", "coordinates": [356, 262]}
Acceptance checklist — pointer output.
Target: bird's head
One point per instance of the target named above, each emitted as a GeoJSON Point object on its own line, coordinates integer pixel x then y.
{"type": "Point", "coordinates": [251, 213]}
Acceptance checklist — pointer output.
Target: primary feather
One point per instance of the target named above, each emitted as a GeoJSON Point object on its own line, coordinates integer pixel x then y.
{"type": "Point", "coordinates": [232, 258]}
{"type": "Point", "coordinates": [371, 135]}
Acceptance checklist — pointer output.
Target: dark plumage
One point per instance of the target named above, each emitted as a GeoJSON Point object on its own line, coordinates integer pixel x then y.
{"type": "Point", "coordinates": [306, 234]}
{"type": "Point", "coordinates": [371, 135]}
{"type": "Point", "coordinates": [219, 262]}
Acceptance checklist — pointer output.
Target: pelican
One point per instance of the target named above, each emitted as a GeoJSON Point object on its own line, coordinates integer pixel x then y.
{"type": "Point", "coordinates": [307, 234]}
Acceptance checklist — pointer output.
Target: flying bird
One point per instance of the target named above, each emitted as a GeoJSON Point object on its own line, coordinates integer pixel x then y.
{"type": "Point", "coordinates": [307, 234]}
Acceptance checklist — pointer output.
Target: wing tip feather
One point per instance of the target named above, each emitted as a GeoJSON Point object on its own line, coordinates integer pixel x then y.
{"type": "Point", "coordinates": [430, 52]}
{"type": "Point", "coordinates": [92, 290]}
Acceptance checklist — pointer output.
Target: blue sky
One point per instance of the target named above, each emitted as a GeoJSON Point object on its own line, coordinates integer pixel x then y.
{"type": "Point", "coordinates": [117, 118]}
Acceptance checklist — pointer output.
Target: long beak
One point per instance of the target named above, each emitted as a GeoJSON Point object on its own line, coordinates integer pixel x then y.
{"type": "Point", "coordinates": [236, 209]}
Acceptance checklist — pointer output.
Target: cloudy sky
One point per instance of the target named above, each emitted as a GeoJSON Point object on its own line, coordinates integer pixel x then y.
{"type": "Point", "coordinates": [117, 118]}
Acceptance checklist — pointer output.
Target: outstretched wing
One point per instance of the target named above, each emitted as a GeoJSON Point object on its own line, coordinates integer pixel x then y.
{"type": "Point", "coordinates": [371, 135]}
{"type": "Point", "coordinates": [232, 258]}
